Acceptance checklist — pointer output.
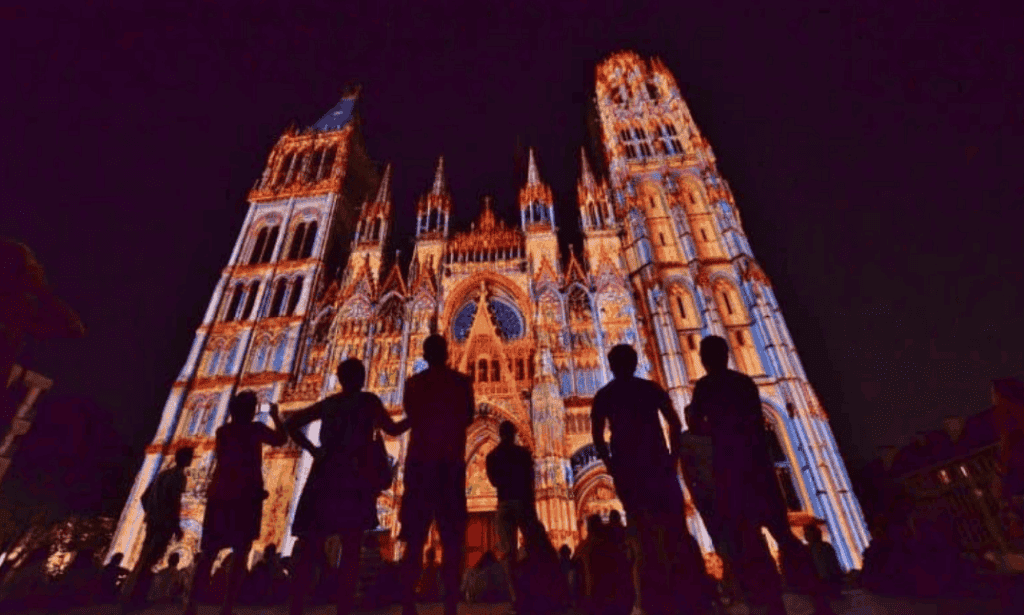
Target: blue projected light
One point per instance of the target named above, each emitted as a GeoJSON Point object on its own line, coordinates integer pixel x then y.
{"type": "Point", "coordinates": [460, 328]}
{"type": "Point", "coordinates": [507, 317]}
{"type": "Point", "coordinates": [510, 323]}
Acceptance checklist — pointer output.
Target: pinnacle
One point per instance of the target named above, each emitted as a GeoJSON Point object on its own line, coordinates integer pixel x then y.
{"type": "Point", "coordinates": [532, 176]}
{"type": "Point", "coordinates": [440, 184]}
{"type": "Point", "coordinates": [588, 176]}
{"type": "Point", "coordinates": [384, 191]}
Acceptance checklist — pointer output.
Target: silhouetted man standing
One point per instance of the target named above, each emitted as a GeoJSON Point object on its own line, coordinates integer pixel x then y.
{"type": "Point", "coordinates": [161, 502]}
{"type": "Point", "coordinates": [439, 405]}
{"type": "Point", "coordinates": [646, 480]}
{"type": "Point", "coordinates": [727, 405]}
{"type": "Point", "coordinates": [510, 470]}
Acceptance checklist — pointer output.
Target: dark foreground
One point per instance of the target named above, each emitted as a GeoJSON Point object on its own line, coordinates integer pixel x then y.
{"type": "Point", "coordinates": [853, 603]}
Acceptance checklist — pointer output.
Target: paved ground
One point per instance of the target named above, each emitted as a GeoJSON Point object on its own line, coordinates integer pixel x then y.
{"type": "Point", "coordinates": [854, 603]}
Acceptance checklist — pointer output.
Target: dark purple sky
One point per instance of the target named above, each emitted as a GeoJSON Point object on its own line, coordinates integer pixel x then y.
{"type": "Point", "coordinates": [874, 151]}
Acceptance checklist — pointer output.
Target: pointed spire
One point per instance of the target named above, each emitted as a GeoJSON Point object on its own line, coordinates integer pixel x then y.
{"type": "Point", "coordinates": [440, 184]}
{"type": "Point", "coordinates": [532, 176]}
{"type": "Point", "coordinates": [588, 177]}
{"type": "Point", "coordinates": [384, 191]}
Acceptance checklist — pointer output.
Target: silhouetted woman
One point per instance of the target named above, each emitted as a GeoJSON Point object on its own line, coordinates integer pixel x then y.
{"type": "Point", "coordinates": [340, 496]}
{"type": "Point", "coordinates": [234, 498]}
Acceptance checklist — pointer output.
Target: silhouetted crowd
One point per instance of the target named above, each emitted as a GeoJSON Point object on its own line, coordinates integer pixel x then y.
{"type": "Point", "coordinates": [648, 565]}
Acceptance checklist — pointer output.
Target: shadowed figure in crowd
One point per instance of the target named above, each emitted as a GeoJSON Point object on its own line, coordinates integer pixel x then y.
{"type": "Point", "coordinates": [439, 407]}
{"type": "Point", "coordinates": [645, 473]}
{"type": "Point", "coordinates": [234, 498]}
{"type": "Point", "coordinates": [161, 501]}
{"type": "Point", "coordinates": [727, 405]}
{"type": "Point", "coordinates": [510, 470]}
{"type": "Point", "coordinates": [340, 496]}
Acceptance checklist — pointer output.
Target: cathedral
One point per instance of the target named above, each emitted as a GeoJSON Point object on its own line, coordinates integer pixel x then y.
{"type": "Point", "coordinates": [664, 261]}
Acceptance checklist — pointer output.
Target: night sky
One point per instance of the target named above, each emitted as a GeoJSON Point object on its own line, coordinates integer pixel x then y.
{"type": "Point", "coordinates": [874, 152]}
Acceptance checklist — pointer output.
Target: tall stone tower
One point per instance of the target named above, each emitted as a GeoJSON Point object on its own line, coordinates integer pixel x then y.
{"type": "Point", "coordinates": [693, 274]}
{"type": "Point", "coordinates": [303, 205]}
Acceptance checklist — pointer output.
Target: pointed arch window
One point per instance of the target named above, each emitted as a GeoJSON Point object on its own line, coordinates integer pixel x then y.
{"type": "Point", "coordinates": [260, 358]}
{"type": "Point", "coordinates": [520, 372]}
{"type": "Point", "coordinates": [268, 250]}
{"type": "Point", "coordinates": [495, 370]}
{"type": "Point", "coordinates": [298, 235]}
{"type": "Point", "coordinates": [481, 370]}
{"type": "Point", "coordinates": [229, 363]}
{"type": "Point", "coordinates": [296, 174]}
{"type": "Point", "coordinates": [279, 354]}
{"type": "Point", "coordinates": [728, 304]}
{"type": "Point", "coordinates": [295, 295]}
{"type": "Point", "coordinates": [314, 165]}
{"type": "Point", "coordinates": [250, 300]}
{"type": "Point", "coordinates": [307, 244]}
{"type": "Point", "coordinates": [259, 246]}
{"type": "Point", "coordinates": [282, 171]}
{"type": "Point", "coordinates": [472, 371]}
{"type": "Point", "coordinates": [328, 165]}
{"type": "Point", "coordinates": [783, 470]}
{"type": "Point", "coordinates": [236, 298]}
{"type": "Point", "coordinates": [652, 91]}
{"type": "Point", "coordinates": [214, 362]}
{"type": "Point", "coordinates": [278, 298]}
{"type": "Point", "coordinates": [375, 234]}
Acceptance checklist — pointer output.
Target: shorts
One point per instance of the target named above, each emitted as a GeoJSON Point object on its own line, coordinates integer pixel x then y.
{"type": "Point", "coordinates": [434, 491]}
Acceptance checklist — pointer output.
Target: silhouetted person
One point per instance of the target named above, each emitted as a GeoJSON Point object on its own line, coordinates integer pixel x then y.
{"type": "Point", "coordinates": [568, 570]}
{"type": "Point", "coordinates": [340, 496]}
{"type": "Point", "coordinates": [747, 497]}
{"type": "Point", "coordinates": [605, 572]}
{"type": "Point", "coordinates": [234, 498]}
{"type": "Point", "coordinates": [113, 576]}
{"type": "Point", "coordinates": [510, 470]}
{"type": "Point", "coordinates": [826, 562]}
{"type": "Point", "coordinates": [646, 481]}
{"type": "Point", "coordinates": [81, 583]}
{"type": "Point", "coordinates": [439, 405]}
{"type": "Point", "coordinates": [169, 584]}
{"type": "Point", "coordinates": [29, 585]}
{"type": "Point", "coordinates": [161, 502]}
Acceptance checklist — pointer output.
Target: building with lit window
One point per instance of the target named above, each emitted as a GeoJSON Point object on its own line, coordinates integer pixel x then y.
{"type": "Point", "coordinates": [664, 261]}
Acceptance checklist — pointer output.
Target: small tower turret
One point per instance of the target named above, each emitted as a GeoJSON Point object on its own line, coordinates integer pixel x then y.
{"type": "Point", "coordinates": [537, 215]}
{"type": "Point", "coordinates": [433, 213]}
{"type": "Point", "coordinates": [372, 230]}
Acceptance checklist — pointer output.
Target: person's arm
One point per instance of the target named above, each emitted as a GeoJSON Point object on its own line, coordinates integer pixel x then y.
{"type": "Point", "coordinates": [384, 421]}
{"type": "Point", "coordinates": [300, 419]}
{"type": "Point", "coordinates": [675, 426]}
{"type": "Point", "coordinates": [598, 417]}
{"type": "Point", "coordinates": [276, 436]}
{"type": "Point", "coordinates": [491, 467]}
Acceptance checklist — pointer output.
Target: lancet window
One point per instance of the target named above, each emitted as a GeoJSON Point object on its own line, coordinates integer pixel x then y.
{"type": "Point", "coordinates": [783, 469]}
{"type": "Point", "coordinates": [278, 299]}
{"type": "Point", "coordinates": [263, 248]}
{"type": "Point", "coordinates": [236, 299]}
{"type": "Point", "coordinates": [294, 295]}
{"type": "Point", "coordinates": [250, 300]}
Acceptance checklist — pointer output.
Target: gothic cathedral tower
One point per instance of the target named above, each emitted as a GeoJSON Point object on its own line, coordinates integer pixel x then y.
{"type": "Point", "coordinates": [693, 274]}
{"type": "Point", "coordinates": [257, 320]}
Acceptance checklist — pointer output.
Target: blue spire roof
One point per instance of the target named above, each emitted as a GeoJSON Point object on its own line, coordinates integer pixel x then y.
{"type": "Point", "coordinates": [337, 117]}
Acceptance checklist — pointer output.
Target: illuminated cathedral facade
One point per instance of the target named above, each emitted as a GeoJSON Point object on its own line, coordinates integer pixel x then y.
{"type": "Point", "coordinates": [664, 261]}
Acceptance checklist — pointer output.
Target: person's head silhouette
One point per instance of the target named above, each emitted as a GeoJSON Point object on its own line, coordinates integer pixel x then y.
{"type": "Point", "coordinates": [714, 354]}
{"type": "Point", "coordinates": [622, 359]}
{"type": "Point", "coordinates": [594, 525]}
{"type": "Point", "coordinates": [242, 407]}
{"type": "Point", "coordinates": [351, 375]}
{"type": "Point", "coordinates": [615, 518]}
{"type": "Point", "coordinates": [565, 552]}
{"type": "Point", "coordinates": [183, 458]}
{"type": "Point", "coordinates": [507, 432]}
{"type": "Point", "coordinates": [812, 533]}
{"type": "Point", "coordinates": [116, 559]}
{"type": "Point", "coordinates": [172, 560]}
{"type": "Point", "coordinates": [435, 350]}
{"type": "Point", "coordinates": [270, 551]}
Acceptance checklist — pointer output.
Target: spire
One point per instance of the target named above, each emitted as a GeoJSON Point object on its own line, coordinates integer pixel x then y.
{"type": "Point", "coordinates": [440, 184]}
{"type": "Point", "coordinates": [532, 176]}
{"type": "Point", "coordinates": [384, 191]}
{"type": "Point", "coordinates": [588, 177]}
